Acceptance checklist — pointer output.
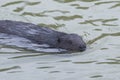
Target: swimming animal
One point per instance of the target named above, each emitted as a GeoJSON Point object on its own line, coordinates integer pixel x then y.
{"type": "Point", "coordinates": [43, 35]}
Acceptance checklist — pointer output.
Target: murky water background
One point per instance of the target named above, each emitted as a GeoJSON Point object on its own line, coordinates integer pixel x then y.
{"type": "Point", "coordinates": [98, 21]}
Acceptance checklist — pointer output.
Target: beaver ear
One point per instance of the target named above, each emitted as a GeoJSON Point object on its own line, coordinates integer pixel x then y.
{"type": "Point", "coordinates": [58, 40]}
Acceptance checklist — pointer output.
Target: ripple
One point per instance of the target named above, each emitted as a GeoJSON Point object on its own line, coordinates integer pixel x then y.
{"type": "Point", "coordinates": [117, 3]}
{"type": "Point", "coordinates": [96, 76]}
{"type": "Point", "coordinates": [104, 48]}
{"type": "Point", "coordinates": [18, 2]}
{"type": "Point", "coordinates": [51, 11]}
{"type": "Point", "coordinates": [64, 1]}
{"type": "Point", "coordinates": [115, 6]}
{"type": "Point", "coordinates": [23, 56]}
{"type": "Point", "coordinates": [32, 3]}
{"type": "Point", "coordinates": [45, 67]}
{"type": "Point", "coordinates": [110, 61]}
{"type": "Point", "coordinates": [68, 1]}
{"type": "Point", "coordinates": [103, 21]}
{"type": "Point", "coordinates": [91, 22]}
{"type": "Point", "coordinates": [54, 72]}
{"type": "Point", "coordinates": [33, 14]}
{"type": "Point", "coordinates": [110, 24]}
{"type": "Point", "coordinates": [84, 62]}
{"type": "Point", "coordinates": [98, 29]}
{"type": "Point", "coordinates": [102, 36]}
{"type": "Point", "coordinates": [55, 26]}
{"type": "Point", "coordinates": [65, 61]}
{"type": "Point", "coordinates": [67, 18]}
{"type": "Point", "coordinates": [106, 2]}
{"type": "Point", "coordinates": [89, 0]}
{"type": "Point", "coordinates": [19, 9]}
{"type": "Point", "coordinates": [15, 71]}
{"type": "Point", "coordinates": [10, 68]}
{"type": "Point", "coordinates": [12, 3]}
{"type": "Point", "coordinates": [77, 6]}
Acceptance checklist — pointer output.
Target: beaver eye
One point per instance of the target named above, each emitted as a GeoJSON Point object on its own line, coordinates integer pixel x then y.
{"type": "Point", "coordinates": [58, 40]}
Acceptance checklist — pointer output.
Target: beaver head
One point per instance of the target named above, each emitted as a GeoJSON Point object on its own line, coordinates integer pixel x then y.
{"type": "Point", "coordinates": [72, 42]}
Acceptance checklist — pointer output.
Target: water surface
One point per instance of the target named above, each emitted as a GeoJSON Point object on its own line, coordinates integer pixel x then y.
{"type": "Point", "coordinates": [98, 21]}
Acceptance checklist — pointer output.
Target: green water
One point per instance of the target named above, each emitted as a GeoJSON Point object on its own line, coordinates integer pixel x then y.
{"type": "Point", "coordinates": [97, 21]}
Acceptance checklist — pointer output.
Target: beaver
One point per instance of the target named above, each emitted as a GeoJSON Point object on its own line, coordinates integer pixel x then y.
{"type": "Point", "coordinates": [43, 35]}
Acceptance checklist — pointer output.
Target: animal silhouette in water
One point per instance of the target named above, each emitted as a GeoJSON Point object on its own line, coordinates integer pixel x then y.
{"type": "Point", "coordinates": [43, 35]}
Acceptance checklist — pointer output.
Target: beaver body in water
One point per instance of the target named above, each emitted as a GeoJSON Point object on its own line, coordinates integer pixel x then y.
{"type": "Point", "coordinates": [43, 35]}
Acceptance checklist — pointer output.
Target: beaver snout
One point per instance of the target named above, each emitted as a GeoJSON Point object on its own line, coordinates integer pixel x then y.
{"type": "Point", "coordinates": [82, 48]}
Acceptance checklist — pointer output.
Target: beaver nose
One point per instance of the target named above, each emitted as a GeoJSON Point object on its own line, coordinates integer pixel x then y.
{"type": "Point", "coordinates": [82, 48]}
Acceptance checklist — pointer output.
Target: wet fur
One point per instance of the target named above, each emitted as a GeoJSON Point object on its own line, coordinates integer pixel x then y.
{"type": "Point", "coordinates": [43, 35]}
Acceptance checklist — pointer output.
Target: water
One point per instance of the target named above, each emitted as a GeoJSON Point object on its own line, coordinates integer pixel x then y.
{"type": "Point", "coordinates": [98, 21]}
